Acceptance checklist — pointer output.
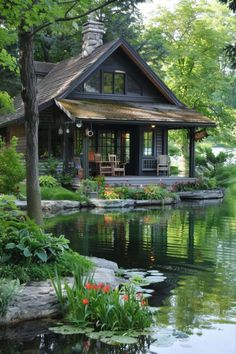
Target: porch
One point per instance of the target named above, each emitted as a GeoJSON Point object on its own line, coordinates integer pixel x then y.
{"type": "Point", "coordinates": [137, 181]}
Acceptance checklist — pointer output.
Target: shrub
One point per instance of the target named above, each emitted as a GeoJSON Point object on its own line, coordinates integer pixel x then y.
{"type": "Point", "coordinates": [48, 181]}
{"type": "Point", "coordinates": [200, 184]}
{"type": "Point", "coordinates": [7, 291]}
{"type": "Point", "coordinates": [87, 303]}
{"type": "Point", "coordinates": [26, 251]}
{"type": "Point", "coordinates": [60, 193]}
{"type": "Point", "coordinates": [12, 170]}
{"type": "Point", "coordinates": [51, 166]}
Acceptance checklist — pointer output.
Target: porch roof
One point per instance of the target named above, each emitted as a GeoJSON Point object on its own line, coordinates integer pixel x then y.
{"type": "Point", "coordinates": [133, 112]}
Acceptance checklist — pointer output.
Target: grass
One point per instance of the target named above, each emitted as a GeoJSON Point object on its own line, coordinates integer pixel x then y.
{"type": "Point", "coordinates": [55, 193]}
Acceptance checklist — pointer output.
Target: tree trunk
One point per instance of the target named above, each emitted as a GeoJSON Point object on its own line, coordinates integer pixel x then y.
{"type": "Point", "coordinates": [29, 91]}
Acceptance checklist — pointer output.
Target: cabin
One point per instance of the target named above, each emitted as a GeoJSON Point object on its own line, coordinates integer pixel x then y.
{"type": "Point", "coordinates": [105, 102]}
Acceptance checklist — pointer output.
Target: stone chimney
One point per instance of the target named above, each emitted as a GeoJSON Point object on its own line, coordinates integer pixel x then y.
{"type": "Point", "coordinates": [93, 32]}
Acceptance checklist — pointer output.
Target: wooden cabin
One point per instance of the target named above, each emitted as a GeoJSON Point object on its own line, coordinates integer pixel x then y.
{"type": "Point", "coordinates": [106, 100]}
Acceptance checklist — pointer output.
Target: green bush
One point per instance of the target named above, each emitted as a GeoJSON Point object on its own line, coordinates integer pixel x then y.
{"type": "Point", "coordinates": [97, 305]}
{"type": "Point", "coordinates": [26, 251]}
{"type": "Point", "coordinates": [60, 193]}
{"type": "Point", "coordinates": [41, 271]}
{"type": "Point", "coordinates": [200, 184]}
{"type": "Point", "coordinates": [12, 170]}
{"type": "Point", "coordinates": [48, 181]}
{"type": "Point", "coordinates": [156, 192]}
{"type": "Point", "coordinates": [7, 291]}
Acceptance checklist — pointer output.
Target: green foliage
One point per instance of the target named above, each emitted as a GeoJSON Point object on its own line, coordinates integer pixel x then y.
{"type": "Point", "coordinates": [48, 181]}
{"type": "Point", "coordinates": [65, 178]}
{"type": "Point", "coordinates": [27, 252]}
{"type": "Point", "coordinates": [200, 184]}
{"type": "Point", "coordinates": [156, 192]}
{"type": "Point", "coordinates": [7, 291]}
{"type": "Point", "coordinates": [6, 105]}
{"type": "Point", "coordinates": [12, 170]}
{"type": "Point", "coordinates": [88, 304]}
{"type": "Point", "coordinates": [193, 61]}
{"type": "Point", "coordinates": [215, 167]}
{"type": "Point", "coordinates": [50, 165]}
{"type": "Point", "coordinates": [24, 242]}
{"type": "Point", "coordinates": [41, 271]}
{"type": "Point", "coordinates": [60, 193]}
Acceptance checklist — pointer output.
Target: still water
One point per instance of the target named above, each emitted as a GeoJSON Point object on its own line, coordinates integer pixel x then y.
{"type": "Point", "coordinates": [193, 244]}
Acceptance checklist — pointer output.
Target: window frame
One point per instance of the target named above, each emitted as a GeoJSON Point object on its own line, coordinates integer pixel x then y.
{"type": "Point", "coordinates": [153, 143]}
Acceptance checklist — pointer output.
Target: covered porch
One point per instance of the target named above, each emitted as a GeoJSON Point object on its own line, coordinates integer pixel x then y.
{"type": "Point", "coordinates": [135, 133]}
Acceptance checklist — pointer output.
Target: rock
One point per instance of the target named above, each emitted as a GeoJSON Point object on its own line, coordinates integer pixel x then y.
{"type": "Point", "coordinates": [202, 194]}
{"type": "Point", "coordinates": [104, 263]}
{"type": "Point", "coordinates": [113, 203]}
{"type": "Point", "coordinates": [52, 205]}
{"type": "Point", "coordinates": [38, 300]}
{"type": "Point", "coordinates": [166, 201]}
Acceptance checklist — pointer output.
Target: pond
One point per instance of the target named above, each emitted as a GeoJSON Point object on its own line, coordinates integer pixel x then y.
{"type": "Point", "coordinates": [193, 244]}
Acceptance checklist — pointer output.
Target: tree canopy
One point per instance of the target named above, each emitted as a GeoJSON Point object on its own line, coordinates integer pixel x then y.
{"type": "Point", "coordinates": [193, 63]}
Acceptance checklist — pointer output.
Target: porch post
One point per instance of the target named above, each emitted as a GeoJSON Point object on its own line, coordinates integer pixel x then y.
{"type": "Point", "coordinates": [85, 154]}
{"type": "Point", "coordinates": [65, 149]}
{"type": "Point", "coordinates": [164, 141]}
{"type": "Point", "coordinates": [191, 152]}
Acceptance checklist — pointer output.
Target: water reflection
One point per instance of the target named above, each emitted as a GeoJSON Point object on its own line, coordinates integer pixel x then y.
{"type": "Point", "coordinates": [193, 244]}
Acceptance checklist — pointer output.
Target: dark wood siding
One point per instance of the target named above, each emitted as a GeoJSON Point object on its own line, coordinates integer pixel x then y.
{"type": "Point", "coordinates": [19, 132]}
{"type": "Point", "coordinates": [120, 61]}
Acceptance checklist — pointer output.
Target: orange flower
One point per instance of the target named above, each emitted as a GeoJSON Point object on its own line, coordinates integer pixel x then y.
{"type": "Point", "coordinates": [144, 302]}
{"type": "Point", "coordinates": [106, 288]}
{"type": "Point", "coordinates": [126, 297]}
{"type": "Point", "coordinates": [100, 285]}
{"type": "Point", "coordinates": [88, 286]}
{"type": "Point", "coordinates": [85, 301]}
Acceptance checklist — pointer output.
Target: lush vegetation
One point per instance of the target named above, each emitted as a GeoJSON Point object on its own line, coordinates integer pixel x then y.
{"type": "Point", "coordinates": [27, 252]}
{"type": "Point", "coordinates": [88, 304]}
{"type": "Point", "coordinates": [7, 291]}
{"type": "Point", "coordinates": [12, 170]}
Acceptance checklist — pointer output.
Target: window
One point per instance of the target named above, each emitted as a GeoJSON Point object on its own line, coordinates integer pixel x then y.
{"type": "Point", "coordinates": [106, 144]}
{"type": "Point", "coordinates": [108, 82]}
{"type": "Point", "coordinates": [92, 85]}
{"type": "Point", "coordinates": [119, 84]}
{"type": "Point", "coordinates": [148, 143]}
{"type": "Point", "coordinates": [114, 83]}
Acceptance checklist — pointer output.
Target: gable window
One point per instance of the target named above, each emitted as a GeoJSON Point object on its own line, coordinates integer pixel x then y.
{"type": "Point", "coordinates": [111, 82]}
{"type": "Point", "coordinates": [92, 85]}
{"type": "Point", "coordinates": [107, 82]}
{"type": "Point", "coordinates": [148, 143]}
{"type": "Point", "coordinates": [119, 83]}
{"type": "Point", "coordinates": [114, 83]}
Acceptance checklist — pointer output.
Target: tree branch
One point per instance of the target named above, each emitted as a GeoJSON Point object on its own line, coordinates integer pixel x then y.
{"type": "Point", "coordinates": [65, 19]}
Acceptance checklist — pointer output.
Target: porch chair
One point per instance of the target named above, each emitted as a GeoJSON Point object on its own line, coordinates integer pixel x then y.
{"type": "Point", "coordinates": [117, 167]}
{"type": "Point", "coordinates": [104, 167]}
{"type": "Point", "coordinates": [163, 164]}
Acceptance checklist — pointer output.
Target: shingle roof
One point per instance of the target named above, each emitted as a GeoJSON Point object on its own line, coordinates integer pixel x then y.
{"type": "Point", "coordinates": [69, 73]}
{"type": "Point", "coordinates": [42, 67]}
{"type": "Point", "coordinates": [162, 114]}
{"type": "Point", "coordinates": [58, 80]}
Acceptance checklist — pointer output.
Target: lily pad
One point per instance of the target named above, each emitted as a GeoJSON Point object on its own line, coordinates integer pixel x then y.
{"type": "Point", "coordinates": [69, 329]}
{"type": "Point", "coordinates": [100, 334]}
{"type": "Point", "coordinates": [155, 279]}
{"type": "Point", "coordinates": [124, 339]}
{"type": "Point", "coordinates": [155, 272]}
